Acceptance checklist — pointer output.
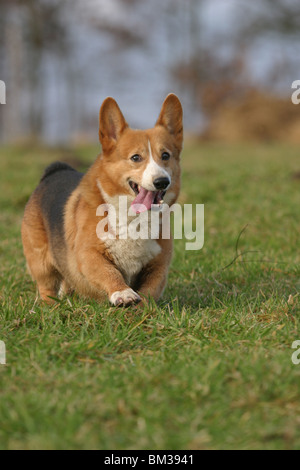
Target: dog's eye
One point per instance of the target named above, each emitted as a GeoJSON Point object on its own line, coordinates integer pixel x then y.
{"type": "Point", "coordinates": [136, 158]}
{"type": "Point", "coordinates": [165, 156]}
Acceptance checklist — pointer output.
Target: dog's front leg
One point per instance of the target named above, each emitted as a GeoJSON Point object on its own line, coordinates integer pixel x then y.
{"type": "Point", "coordinates": [102, 274]}
{"type": "Point", "coordinates": [153, 278]}
{"type": "Point", "coordinates": [152, 282]}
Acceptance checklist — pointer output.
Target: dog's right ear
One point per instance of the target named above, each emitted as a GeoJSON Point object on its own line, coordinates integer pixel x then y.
{"type": "Point", "coordinates": [111, 124]}
{"type": "Point", "coordinates": [171, 118]}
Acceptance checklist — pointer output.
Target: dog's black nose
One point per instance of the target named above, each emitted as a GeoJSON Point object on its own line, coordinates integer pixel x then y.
{"type": "Point", "coordinates": [161, 183]}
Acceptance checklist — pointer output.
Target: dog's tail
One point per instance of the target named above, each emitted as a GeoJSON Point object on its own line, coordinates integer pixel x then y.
{"type": "Point", "coordinates": [54, 167]}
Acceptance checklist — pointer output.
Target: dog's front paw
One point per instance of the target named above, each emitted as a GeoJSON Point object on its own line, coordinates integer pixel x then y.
{"type": "Point", "coordinates": [125, 297]}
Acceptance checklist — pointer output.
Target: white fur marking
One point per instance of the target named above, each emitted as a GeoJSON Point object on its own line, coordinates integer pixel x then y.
{"type": "Point", "coordinates": [132, 255]}
{"type": "Point", "coordinates": [153, 171]}
{"type": "Point", "coordinates": [124, 297]}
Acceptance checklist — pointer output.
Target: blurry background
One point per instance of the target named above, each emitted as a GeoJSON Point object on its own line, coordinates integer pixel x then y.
{"type": "Point", "coordinates": [231, 62]}
{"type": "Point", "coordinates": [211, 367]}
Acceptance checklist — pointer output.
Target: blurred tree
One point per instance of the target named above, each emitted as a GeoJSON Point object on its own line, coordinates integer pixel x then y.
{"type": "Point", "coordinates": [124, 33]}
{"type": "Point", "coordinates": [280, 17]}
{"type": "Point", "coordinates": [213, 77]}
{"type": "Point", "coordinates": [44, 32]}
{"type": "Point", "coordinates": [170, 39]}
{"type": "Point", "coordinates": [30, 29]}
{"type": "Point", "coordinates": [273, 23]}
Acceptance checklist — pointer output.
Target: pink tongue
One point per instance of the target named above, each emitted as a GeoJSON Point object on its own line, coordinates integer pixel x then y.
{"type": "Point", "coordinates": [144, 197]}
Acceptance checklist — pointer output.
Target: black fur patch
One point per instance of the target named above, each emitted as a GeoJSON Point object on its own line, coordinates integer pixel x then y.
{"type": "Point", "coordinates": [55, 188]}
{"type": "Point", "coordinates": [54, 167]}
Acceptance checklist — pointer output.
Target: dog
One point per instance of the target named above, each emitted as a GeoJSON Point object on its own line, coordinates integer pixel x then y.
{"type": "Point", "coordinates": [59, 227]}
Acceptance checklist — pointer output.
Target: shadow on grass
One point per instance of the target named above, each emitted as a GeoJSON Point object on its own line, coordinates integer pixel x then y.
{"type": "Point", "coordinates": [235, 287]}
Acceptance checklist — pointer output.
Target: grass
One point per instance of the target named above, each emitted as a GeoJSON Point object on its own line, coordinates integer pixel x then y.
{"type": "Point", "coordinates": [209, 367]}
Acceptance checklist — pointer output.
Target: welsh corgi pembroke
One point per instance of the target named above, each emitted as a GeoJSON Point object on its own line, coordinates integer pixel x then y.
{"type": "Point", "coordinates": [63, 249]}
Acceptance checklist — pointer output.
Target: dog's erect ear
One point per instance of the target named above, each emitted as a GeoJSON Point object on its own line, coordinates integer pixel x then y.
{"type": "Point", "coordinates": [171, 117]}
{"type": "Point", "coordinates": [111, 124]}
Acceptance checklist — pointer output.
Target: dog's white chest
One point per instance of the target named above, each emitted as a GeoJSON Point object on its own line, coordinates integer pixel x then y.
{"type": "Point", "coordinates": [132, 255]}
{"type": "Point", "coordinates": [129, 253]}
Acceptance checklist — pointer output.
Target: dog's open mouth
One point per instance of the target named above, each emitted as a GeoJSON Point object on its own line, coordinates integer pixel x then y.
{"type": "Point", "coordinates": [145, 198]}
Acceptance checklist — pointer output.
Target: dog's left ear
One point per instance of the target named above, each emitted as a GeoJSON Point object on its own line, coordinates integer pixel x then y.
{"type": "Point", "coordinates": [171, 118]}
{"type": "Point", "coordinates": [111, 124]}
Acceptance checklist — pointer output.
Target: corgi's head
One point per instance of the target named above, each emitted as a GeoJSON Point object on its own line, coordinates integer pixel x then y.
{"type": "Point", "coordinates": [141, 164]}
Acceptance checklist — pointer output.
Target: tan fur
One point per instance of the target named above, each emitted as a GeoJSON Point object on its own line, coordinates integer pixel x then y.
{"type": "Point", "coordinates": [82, 261]}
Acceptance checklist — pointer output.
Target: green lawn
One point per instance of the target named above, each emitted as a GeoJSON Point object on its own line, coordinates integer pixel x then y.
{"type": "Point", "coordinates": [210, 367]}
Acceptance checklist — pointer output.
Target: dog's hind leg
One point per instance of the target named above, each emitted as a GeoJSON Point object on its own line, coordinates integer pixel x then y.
{"type": "Point", "coordinates": [64, 289]}
{"type": "Point", "coordinates": [38, 255]}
